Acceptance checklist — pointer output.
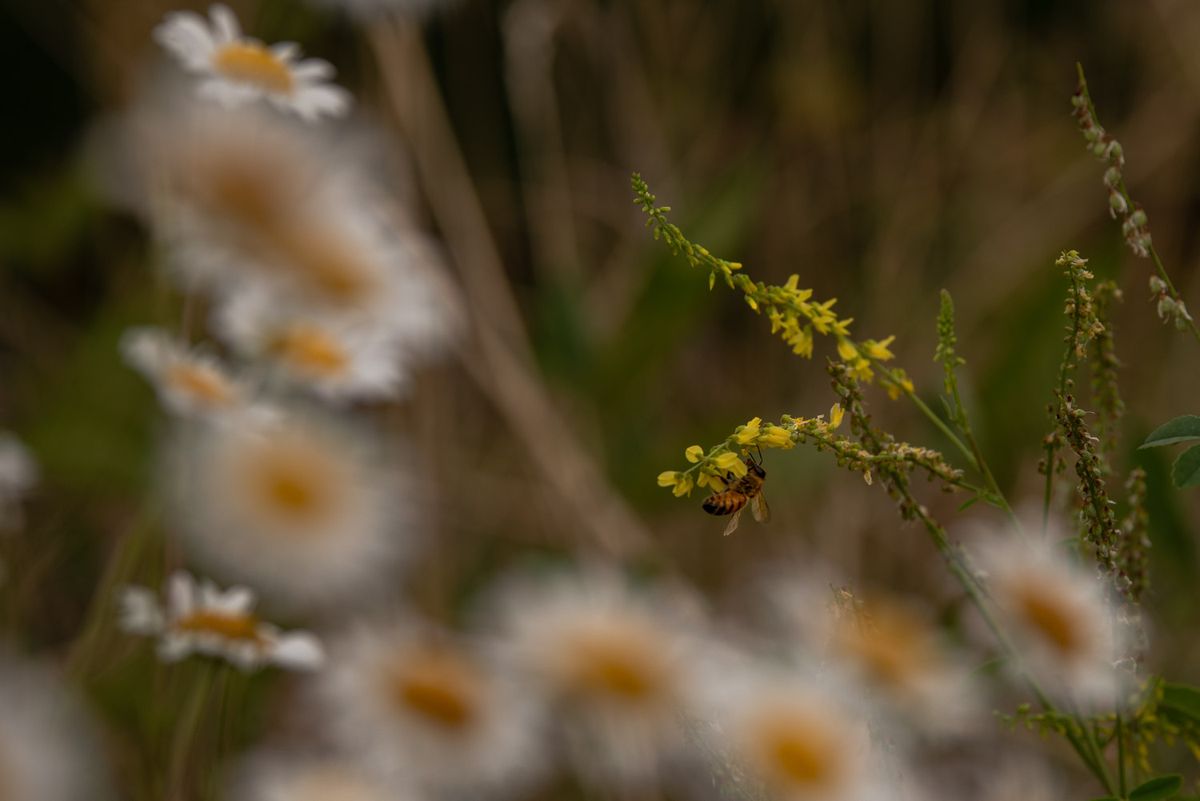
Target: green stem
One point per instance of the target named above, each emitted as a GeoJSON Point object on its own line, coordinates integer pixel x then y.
{"type": "Point", "coordinates": [1083, 745]}
{"type": "Point", "coordinates": [186, 730]}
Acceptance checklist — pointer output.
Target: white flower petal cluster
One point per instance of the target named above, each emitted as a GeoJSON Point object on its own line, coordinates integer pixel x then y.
{"type": "Point", "coordinates": [238, 70]}
{"type": "Point", "coordinates": [1061, 616]}
{"type": "Point", "coordinates": [304, 508]}
{"type": "Point", "coordinates": [189, 382]}
{"type": "Point", "coordinates": [48, 749]}
{"type": "Point", "coordinates": [420, 707]}
{"type": "Point", "coordinates": [619, 667]}
{"type": "Point", "coordinates": [199, 618]}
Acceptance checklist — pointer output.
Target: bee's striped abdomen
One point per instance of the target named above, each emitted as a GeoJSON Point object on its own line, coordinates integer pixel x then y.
{"type": "Point", "coordinates": [725, 503]}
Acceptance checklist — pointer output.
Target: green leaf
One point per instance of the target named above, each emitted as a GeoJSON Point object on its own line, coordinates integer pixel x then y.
{"type": "Point", "coordinates": [1157, 788]}
{"type": "Point", "coordinates": [1186, 470]}
{"type": "Point", "coordinates": [1181, 698]}
{"type": "Point", "coordinates": [1181, 429]}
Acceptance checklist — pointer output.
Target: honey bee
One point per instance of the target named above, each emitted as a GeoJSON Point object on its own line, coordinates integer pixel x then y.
{"type": "Point", "coordinates": [739, 493]}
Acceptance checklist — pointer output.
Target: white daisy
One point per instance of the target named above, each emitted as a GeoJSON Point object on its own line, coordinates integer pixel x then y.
{"type": "Point", "coordinates": [200, 618]}
{"type": "Point", "coordinates": [1060, 616]}
{"type": "Point", "coordinates": [18, 475]}
{"type": "Point", "coordinates": [247, 203]}
{"type": "Point", "coordinates": [339, 357]}
{"type": "Point", "coordinates": [48, 751]}
{"type": "Point", "coordinates": [188, 382]}
{"type": "Point", "coordinates": [891, 650]}
{"type": "Point", "coordinates": [621, 666]}
{"type": "Point", "coordinates": [281, 777]}
{"type": "Point", "coordinates": [304, 509]}
{"type": "Point", "coordinates": [241, 70]}
{"type": "Point", "coordinates": [421, 706]}
{"type": "Point", "coordinates": [796, 738]}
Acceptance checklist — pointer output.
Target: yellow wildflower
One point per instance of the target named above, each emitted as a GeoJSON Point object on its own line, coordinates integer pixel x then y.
{"type": "Point", "coordinates": [751, 302]}
{"type": "Point", "coordinates": [879, 350]}
{"type": "Point", "coordinates": [776, 437]}
{"type": "Point", "coordinates": [861, 369]}
{"type": "Point", "coordinates": [748, 433]}
{"type": "Point", "coordinates": [668, 478]}
{"type": "Point", "coordinates": [730, 462]}
{"type": "Point", "coordinates": [836, 413]}
{"type": "Point", "coordinates": [846, 350]}
{"type": "Point", "coordinates": [683, 486]}
{"type": "Point", "coordinates": [694, 454]}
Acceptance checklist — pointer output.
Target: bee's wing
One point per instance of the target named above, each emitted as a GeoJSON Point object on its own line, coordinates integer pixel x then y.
{"type": "Point", "coordinates": [759, 508]}
{"type": "Point", "coordinates": [733, 522]}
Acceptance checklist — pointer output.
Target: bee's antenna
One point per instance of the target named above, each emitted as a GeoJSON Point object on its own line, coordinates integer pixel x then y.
{"type": "Point", "coordinates": [760, 456]}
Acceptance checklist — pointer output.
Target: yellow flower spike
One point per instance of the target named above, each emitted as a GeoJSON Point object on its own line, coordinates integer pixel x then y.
{"type": "Point", "coordinates": [730, 462]}
{"type": "Point", "coordinates": [683, 487]}
{"type": "Point", "coordinates": [836, 413]}
{"type": "Point", "coordinates": [847, 350]}
{"type": "Point", "coordinates": [776, 437]}
{"type": "Point", "coordinates": [748, 433]}
{"type": "Point", "coordinates": [668, 478]}
{"type": "Point", "coordinates": [861, 368]}
{"type": "Point", "coordinates": [879, 350]}
{"type": "Point", "coordinates": [694, 454]}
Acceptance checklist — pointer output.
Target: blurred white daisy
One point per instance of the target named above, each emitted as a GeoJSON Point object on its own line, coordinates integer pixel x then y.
{"type": "Point", "coordinates": [338, 357]}
{"type": "Point", "coordinates": [893, 652]}
{"type": "Point", "coordinates": [241, 70]}
{"type": "Point", "coordinates": [250, 204]}
{"type": "Point", "coordinates": [199, 618]}
{"type": "Point", "coordinates": [48, 751]}
{"type": "Point", "coordinates": [283, 777]}
{"type": "Point", "coordinates": [420, 706]}
{"type": "Point", "coordinates": [304, 509]}
{"type": "Point", "coordinates": [620, 666]}
{"type": "Point", "coordinates": [18, 475]}
{"type": "Point", "coordinates": [796, 738]}
{"type": "Point", "coordinates": [1060, 616]}
{"type": "Point", "coordinates": [188, 382]}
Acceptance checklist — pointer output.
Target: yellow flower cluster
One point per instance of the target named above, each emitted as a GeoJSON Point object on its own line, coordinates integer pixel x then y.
{"type": "Point", "coordinates": [794, 315]}
{"type": "Point", "coordinates": [724, 462]}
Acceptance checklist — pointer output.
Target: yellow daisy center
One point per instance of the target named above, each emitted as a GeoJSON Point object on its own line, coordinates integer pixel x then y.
{"type": "Point", "coordinates": [331, 267]}
{"type": "Point", "coordinates": [437, 686]}
{"type": "Point", "coordinates": [891, 646]}
{"type": "Point", "coordinates": [229, 626]}
{"type": "Point", "coordinates": [310, 350]}
{"type": "Point", "coordinates": [290, 481]}
{"type": "Point", "coordinates": [200, 383]}
{"type": "Point", "coordinates": [1048, 615]}
{"type": "Point", "coordinates": [254, 64]}
{"type": "Point", "coordinates": [798, 752]}
{"type": "Point", "coordinates": [618, 662]}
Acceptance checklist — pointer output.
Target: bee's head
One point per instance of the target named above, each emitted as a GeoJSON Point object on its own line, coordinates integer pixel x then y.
{"type": "Point", "coordinates": [756, 468]}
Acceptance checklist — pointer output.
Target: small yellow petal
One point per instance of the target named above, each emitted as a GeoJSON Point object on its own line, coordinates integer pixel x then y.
{"type": "Point", "coordinates": [694, 453]}
{"type": "Point", "coordinates": [668, 478]}
{"type": "Point", "coordinates": [776, 437]}
{"type": "Point", "coordinates": [683, 487]}
{"type": "Point", "coordinates": [836, 413]}
{"type": "Point", "coordinates": [730, 462]}
{"type": "Point", "coordinates": [847, 350]}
